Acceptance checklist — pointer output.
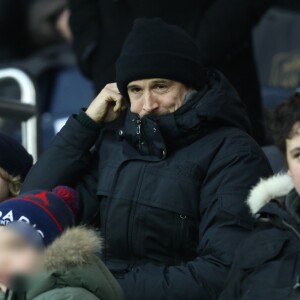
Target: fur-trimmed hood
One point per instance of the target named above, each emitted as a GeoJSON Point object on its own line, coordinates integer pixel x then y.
{"type": "Point", "coordinates": [72, 270]}
{"type": "Point", "coordinates": [76, 246]}
{"type": "Point", "coordinates": [269, 189]}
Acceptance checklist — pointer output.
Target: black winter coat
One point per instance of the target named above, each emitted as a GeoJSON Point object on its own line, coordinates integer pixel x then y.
{"type": "Point", "coordinates": [267, 264]}
{"type": "Point", "coordinates": [221, 28]}
{"type": "Point", "coordinates": [170, 191]}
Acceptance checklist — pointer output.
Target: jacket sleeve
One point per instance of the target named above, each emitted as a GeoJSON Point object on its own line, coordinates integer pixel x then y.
{"type": "Point", "coordinates": [233, 285]}
{"type": "Point", "coordinates": [85, 26]}
{"type": "Point", "coordinates": [69, 161]}
{"type": "Point", "coordinates": [226, 28]}
{"type": "Point", "coordinates": [225, 221]}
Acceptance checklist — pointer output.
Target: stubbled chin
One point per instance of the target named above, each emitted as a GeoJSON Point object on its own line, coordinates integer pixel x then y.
{"type": "Point", "coordinates": [155, 114]}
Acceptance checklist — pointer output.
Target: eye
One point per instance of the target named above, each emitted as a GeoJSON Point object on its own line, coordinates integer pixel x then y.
{"type": "Point", "coordinates": [297, 155]}
{"type": "Point", "coordinates": [135, 90]}
{"type": "Point", "coordinates": [161, 87]}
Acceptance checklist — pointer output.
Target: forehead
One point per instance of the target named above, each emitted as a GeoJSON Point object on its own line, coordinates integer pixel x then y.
{"type": "Point", "coordinates": [293, 142]}
{"type": "Point", "coordinates": [148, 81]}
{"type": "Point", "coordinates": [294, 138]}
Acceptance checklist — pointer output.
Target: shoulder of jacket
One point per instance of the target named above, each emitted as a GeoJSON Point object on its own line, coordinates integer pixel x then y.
{"type": "Point", "coordinates": [67, 293]}
{"type": "Point", "coordinates": [233, 138]}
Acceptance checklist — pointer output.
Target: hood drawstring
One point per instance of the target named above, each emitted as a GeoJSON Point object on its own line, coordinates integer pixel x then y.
{"type": "Point", "coordinates": [138, 132]}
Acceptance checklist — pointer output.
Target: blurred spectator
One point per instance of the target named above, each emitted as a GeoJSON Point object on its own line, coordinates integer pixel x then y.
{"type": "Point", "coordinates": [221, 28]}
{"type": "Point", "coordinates": [47, 22]}
{"type": "Point", "coordinates": [28, 25]}
{"type": "Point", "coordinates": [277, 49]}
{"type": "Point", "coordinates": [15, 163]}
{"type": "Point", "coordinates": [35, 36]}
{"type": "Point", "coordinates": [267, 263]}
{"type": "Point", "coordinates": [55, 262]}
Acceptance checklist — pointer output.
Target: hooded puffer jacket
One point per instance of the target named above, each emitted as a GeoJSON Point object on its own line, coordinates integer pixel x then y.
{"type": "Point", "coordinates": [72, 271]}
{"type": "Point", "coordinates": [267, 264]}
{"type": "Point", "coordinates": [168, 192]}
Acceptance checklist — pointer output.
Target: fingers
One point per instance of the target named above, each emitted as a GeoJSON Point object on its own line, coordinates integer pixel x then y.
{"type": "Point", "coordinates": [124, 106]}
{"type": "Point", "coordinates": [108, 105]}
{"type": "Point", "coordinates": [118, 105]}
{"type": "Point", "coordinates": [115, 96]}
{"type": "Point", "coordinates": [116, 100]}
{"type": "Point", "coordinates": [112, 87]}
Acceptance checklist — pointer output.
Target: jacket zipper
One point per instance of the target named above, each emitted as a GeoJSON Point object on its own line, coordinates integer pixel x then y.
{"type": "Point", "coordinates": [182, 219]}
{"type": "Point", "coordinates": [138, 129]}
{"type": "Point", "coordinates": [131, 219]}
{"type": "Point", "coordinates": [134, 204]}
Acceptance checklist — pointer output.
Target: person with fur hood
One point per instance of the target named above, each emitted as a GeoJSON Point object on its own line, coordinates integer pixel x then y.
{"type": "Point", "coordinates": [43, 258]}
{"type": "Point", "coordinates": [267, 264]}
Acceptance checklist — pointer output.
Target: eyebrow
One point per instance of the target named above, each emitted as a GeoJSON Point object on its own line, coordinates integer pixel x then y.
{"type": "Point", "coordinates": [130, 86]}
{"type": "Point", "coordinates": [294, 150]}
{"type": "Point", "coordinates": [156, 81]}
{"type": "Point", "coordinates": [160, 81]}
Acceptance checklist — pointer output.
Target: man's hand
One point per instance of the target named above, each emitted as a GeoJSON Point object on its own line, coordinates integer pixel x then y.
{"type": "Point", "coordinates": [108, 105]}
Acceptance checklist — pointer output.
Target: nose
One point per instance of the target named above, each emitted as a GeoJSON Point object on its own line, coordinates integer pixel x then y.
{"type": "Point", "coordinates": [150, 103]}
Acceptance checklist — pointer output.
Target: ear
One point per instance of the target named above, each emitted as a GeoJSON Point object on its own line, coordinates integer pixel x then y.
{"type": "Point", "coordinates": [289, 173]}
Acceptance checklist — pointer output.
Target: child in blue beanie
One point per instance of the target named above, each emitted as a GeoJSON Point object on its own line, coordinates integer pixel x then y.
{"type": "Point", "coordinates": [42, 254]}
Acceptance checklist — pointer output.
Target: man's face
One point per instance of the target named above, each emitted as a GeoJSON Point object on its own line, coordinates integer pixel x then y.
{"type": "Point", "coordinates": [16, 255]}
{"type": "Point", "coordinates": [156, 96]}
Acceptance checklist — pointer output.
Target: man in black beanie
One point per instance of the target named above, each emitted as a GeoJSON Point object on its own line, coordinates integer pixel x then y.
{"type": "Point", "coordinates": [165, 179]}
{"type": "Point", "coordinates": [222, 30]}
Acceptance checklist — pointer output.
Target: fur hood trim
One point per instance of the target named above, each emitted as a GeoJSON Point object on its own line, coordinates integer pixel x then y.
{"type": "Point", "coordinates": [76, 246]}
{"type": "Point", "coordinates": [269, 189]}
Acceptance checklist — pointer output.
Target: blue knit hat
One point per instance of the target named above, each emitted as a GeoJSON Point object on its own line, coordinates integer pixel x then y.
{"type": "Point", "coordinates": [48, 213]}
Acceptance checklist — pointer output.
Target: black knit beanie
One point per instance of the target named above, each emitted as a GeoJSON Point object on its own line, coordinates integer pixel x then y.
{"type": "Point", "coordinates": [155, 49]}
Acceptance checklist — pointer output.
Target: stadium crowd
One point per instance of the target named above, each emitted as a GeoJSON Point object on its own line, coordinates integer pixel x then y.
{"type": "Point", "coordinates": [161, 187]}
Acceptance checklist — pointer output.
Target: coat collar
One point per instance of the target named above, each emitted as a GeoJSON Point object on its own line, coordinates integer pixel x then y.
{"type": "Point", "coordinates": [269, 189]}
{"type": "Point", "coordinates": [216, 105]}
{"type": "Point", "coordinates": [75, 247]}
